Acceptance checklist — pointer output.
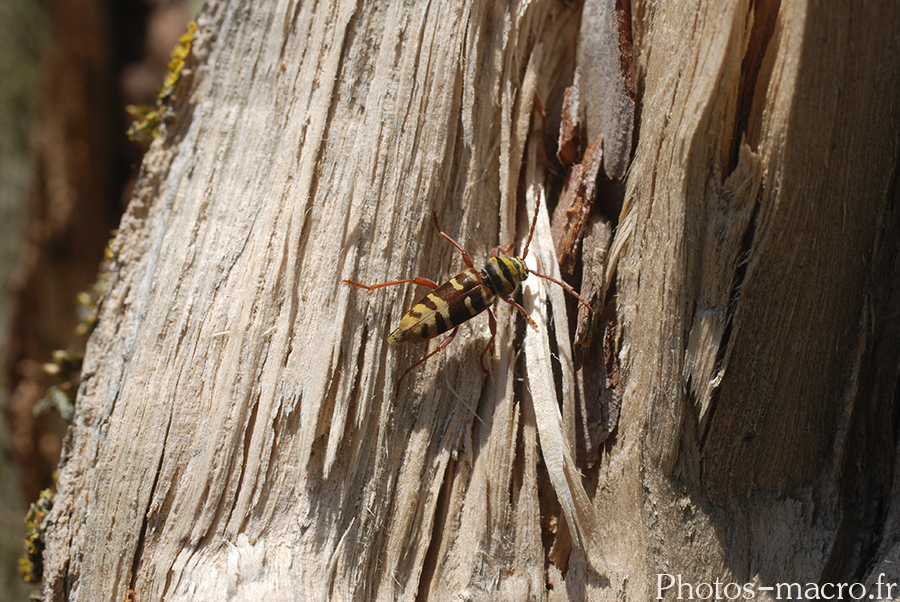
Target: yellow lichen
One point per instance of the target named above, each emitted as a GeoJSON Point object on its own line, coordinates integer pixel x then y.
{"type": "Point", "coordinates": [31, 566]}
{"type": "Point", "coordinates": [147, 119]}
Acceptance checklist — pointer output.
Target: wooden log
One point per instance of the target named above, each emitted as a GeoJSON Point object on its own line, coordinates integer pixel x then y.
{"type": "Point", "coordinates": [240, 433]}
{"type": "Point", "coordinates": [760, 217]}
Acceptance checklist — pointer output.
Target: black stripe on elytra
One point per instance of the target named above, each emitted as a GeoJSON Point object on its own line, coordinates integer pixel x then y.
{"type": "Point", "coordinates": [427, 302]}
{"type": "Point", "coordinates": [427, 329]}
{"type": "Point", "coordinates": [480, 300]}
{"type": "Point", "coordinates": [440, 322]}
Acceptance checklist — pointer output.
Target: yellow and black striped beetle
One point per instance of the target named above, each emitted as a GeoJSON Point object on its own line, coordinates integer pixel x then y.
{"type": "Point", "coordinates": [464, 296]}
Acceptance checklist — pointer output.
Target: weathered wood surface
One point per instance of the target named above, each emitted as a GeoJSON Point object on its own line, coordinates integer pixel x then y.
{"type": "Point", "coordinates": [240, 434]}
{"type": "Point", "coordinates": [755, 252]}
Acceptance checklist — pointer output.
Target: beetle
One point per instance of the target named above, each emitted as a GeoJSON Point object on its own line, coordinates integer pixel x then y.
{"type": "Point", "coordinates": [464, 296]}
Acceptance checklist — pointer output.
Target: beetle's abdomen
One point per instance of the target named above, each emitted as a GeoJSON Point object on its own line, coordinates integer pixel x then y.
{"type": "Point", "coordinates": [505, 273]}
{"type": "Point", "coordinates": [465, 296]}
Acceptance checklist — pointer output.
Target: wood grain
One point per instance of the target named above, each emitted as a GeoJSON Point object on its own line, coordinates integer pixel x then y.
{"type": "Point", "coordinates": [240, 435]}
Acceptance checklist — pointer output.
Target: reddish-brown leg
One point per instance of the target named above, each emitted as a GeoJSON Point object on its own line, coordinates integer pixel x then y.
{"type": "Point", "coordinates": [440, 347]}
{"type": "Point", "coordinates": [521, 309]}
{"type": "Point", "coordinates": [446, 237]}
{"type": "Point", "coordinates": [505, 250]}
{"type": "Point", "coordinates": [372, 287]}
{"type": "Point", "coordinates": [492, 324]}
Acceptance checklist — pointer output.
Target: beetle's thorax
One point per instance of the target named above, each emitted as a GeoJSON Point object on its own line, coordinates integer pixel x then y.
{"type": "Point", "coordinates": [503, 274]}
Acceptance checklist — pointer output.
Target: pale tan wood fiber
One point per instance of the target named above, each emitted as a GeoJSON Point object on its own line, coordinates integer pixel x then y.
{"type": "Point", "coordinates": [241, 434]}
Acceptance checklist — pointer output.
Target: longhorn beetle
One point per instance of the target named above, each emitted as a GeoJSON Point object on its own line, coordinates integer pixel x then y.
{"type": "Point", "coordinates": [465, 296]}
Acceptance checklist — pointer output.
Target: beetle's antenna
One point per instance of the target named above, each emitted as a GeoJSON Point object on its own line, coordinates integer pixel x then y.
{"type": "Point", "coordinates": [566, 288]}
{"type": "Point", "coordinates": [537, 208]}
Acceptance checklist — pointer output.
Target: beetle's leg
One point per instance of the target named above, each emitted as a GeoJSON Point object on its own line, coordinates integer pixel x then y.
{"type": "Point", "coordinates": [372, 287]}
{"type": "Point", "coordinates": [446, 237]}
{"type": "Point", "coordinates": [521, 309]}
{"type": "Point", "coordinates": [505, 250]}
{"type": "Point", "coordinates": [443, 344]}
{"type": "Point", "coordinates": [492, 324]}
